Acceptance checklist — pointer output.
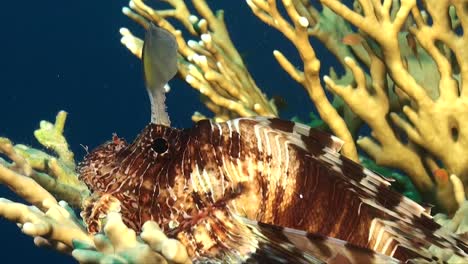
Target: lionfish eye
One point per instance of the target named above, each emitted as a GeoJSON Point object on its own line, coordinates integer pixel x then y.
{"type": "Point", "coordinates": [160, 145]}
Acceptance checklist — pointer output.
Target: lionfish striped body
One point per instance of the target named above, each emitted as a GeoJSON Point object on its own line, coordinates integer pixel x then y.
{"type": "Point", "coordinates": [199, 184]}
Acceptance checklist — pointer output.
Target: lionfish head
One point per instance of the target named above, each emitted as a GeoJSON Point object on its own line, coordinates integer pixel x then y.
{"type": "Point", "coordinates": [117, 166]}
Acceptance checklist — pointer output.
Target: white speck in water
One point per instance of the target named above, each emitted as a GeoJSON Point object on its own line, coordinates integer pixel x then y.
{"type": "Point", "coordinates": [301, 196]}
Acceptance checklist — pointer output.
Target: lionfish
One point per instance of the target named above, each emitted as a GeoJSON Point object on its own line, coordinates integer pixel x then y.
{"type": "Point", "coordinates": [253, 190]}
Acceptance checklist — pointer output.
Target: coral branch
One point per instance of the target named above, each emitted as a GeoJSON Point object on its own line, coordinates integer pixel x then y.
{"type": "Point", "coordinates": [383, 153]}
{"type": "Point", "coordinates": [434, 115]}
{"type": "Point", "coordinates": [24, 186]}
{"type": "Point", "coordinates": [120, 244]}
{"type": "Point", "coordinates": [57, 223]}
{"type": "Point", "coordinates": [297, 33]}
{"type": "Point", "coordinates": [32, 174]}
{"type": "Point", "coordinates": [211, 65]}
{"type": "Point", "coordinates": [388, 41]}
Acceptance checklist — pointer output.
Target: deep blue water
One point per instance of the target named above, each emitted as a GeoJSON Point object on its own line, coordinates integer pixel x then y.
{"type": "Point", "coordinates": [66, 55]}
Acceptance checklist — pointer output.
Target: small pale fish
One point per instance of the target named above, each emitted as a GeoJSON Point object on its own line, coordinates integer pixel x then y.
{"type": "Point", "coordinates": [352, 39]}
{"type": "Point", "coordinates": [441, 175]}
{"type": "Point", "coordinates": [287, 176]}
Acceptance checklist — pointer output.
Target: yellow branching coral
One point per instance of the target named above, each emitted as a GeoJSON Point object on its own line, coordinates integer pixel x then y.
{"type": "Point", "coordinates": [377, 105]}
{"type": "Point", "coordinates": [211, 65]}
{"type": "Point", "coordinates": [35, 173]}
{"type": "Point", "coordinates": [435, 124]}
{"type": "Point", "coordinates": [403, 76]}
{"type": "Point", "coordinates": [298, 34]}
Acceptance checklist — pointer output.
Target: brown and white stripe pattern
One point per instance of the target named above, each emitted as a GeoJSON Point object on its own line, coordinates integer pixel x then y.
{"type": "Point", "coordinates": [269, 170]}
